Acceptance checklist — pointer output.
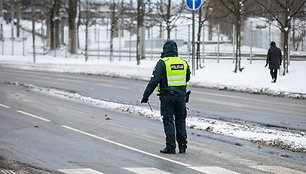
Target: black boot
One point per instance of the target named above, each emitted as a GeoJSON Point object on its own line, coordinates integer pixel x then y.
{"type": "Point", "coordinates": [182, 151]}
{"type": "Point", "coordinates": [167, 151]}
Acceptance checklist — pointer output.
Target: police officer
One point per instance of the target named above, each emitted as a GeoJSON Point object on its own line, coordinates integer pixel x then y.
{"type": "Point", "coordinates": [170, 76]}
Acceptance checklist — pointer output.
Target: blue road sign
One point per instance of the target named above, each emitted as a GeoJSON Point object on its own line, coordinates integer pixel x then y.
{"type": "Point", "coordinates": [194, 4]}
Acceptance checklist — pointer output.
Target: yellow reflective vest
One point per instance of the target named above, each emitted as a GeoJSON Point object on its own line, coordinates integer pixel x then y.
{"type": "Point", "coordinates": [176, 69]}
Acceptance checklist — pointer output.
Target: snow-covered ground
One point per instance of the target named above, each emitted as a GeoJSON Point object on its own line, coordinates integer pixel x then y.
{"type": "Point", "coordinates": [255, 78]}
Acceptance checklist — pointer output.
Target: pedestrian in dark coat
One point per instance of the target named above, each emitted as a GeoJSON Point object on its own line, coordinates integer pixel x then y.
{"type": "Point", "coordinates": [172, 96]}
{"type": "Point", "coordinates": [274, 59]}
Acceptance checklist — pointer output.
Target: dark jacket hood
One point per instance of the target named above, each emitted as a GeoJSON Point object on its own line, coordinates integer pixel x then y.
{"type": "Point", "coordinates": [169, 49]}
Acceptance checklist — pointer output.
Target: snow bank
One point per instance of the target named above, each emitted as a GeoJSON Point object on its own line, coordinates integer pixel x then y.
{"type": "Point", "coordinates": [255, 78]}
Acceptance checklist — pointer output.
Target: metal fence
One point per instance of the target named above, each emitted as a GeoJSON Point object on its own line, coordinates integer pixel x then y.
{"type": "Point", "coordinates": [220, 47]}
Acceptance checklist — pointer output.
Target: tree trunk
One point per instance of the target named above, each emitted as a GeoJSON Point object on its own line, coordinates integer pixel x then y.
{"type": "Point", "coordinates": [238, 50]}
{"type": "Point", "coordinates": [168, 20]}
{"type": "Point", "coordinates": [62, 31]}
{"type": "Point", "coordinates": [239, 47]}
{"type": "Point", "coordinates": [52, 33]}
{"type": "Point", "coordinates": [1, 15]}
{"type": "Point", "coordinates": [161, 30]}
{"type": "Point", "coordinates": [18, 15]}
{"type": "Point", "coordinates": [295, 44]}
{"type": "Point", "coordinates": [56, 24]}
{"type": "Point", "coordinates": [72, 26]}
{"type": "Point", "coordinates": [168, 32]}
{"type": "Point", "coordinates": [210, 32]}
{"type": "Point", "coordinates": [52, 28]}
{"type": "Point", "coordinates": [86, 41]}
{"type": "Point", "coordinates": [86, 31]}
{"type": "Point", "coordinates": [48, 33]}
{"type": "Point", "coordinates": [78, 26]}
{"type": "Point", "coordinates": [238, 44]}
{"type": "Point", "coordinates": [285, 52]}
{"type": "Point", "coordinates": [12, 20]}
{"type": "Point", "coordinates": [57, 34]}
{"type": "Point", "coordinates": [139, 47]}
{"type": "Point", "coordinates": [113, 22]}
{"type": "Point", "coordinates": [33, 30]}
{"type": "Point", "coordinates": [142, 42]}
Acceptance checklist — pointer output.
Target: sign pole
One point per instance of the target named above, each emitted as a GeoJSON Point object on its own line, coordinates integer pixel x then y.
{"type": "Point", "coordinates": [193, 43]}
{"type": "Point", "coordinates": [193, 5]}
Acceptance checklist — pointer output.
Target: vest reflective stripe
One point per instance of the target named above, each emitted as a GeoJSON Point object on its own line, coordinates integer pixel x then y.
{"type": "Point", "coordinates": [176, 83]}
{"type": "Point", "coordinates": [176, 69]}
{"type": "Point", "coordinates": [177, 77]}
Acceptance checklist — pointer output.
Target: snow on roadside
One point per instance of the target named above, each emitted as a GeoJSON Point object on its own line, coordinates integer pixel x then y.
{"type": "Point", "coordinates": [262, 136]}
{"type": "Point", "coordinates": [254, 78]}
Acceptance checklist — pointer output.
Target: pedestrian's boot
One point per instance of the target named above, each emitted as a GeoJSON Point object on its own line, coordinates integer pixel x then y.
{"type": "Point", "coordinates": [167, 151]}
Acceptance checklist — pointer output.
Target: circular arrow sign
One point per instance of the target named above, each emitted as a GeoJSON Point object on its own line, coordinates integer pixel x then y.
{"type": "Point", "coordinates": [194, 4]}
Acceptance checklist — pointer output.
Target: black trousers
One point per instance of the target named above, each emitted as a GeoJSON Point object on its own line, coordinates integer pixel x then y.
{"type": "Point", "coordinates": [173, 111]}
{"type": "Point", "coordinates": [273, 73]}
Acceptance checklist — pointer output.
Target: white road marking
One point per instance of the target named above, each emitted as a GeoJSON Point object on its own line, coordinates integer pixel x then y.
{"type": "Point", "coordinates": [125, 146]}
{"type": "Point", "coordinates": [10, 172]}
{"type": "Point", "coordinates": [251, 99]}
{"type": "Point", "coordinates": [240, 105]}
{"type": "Point", "coordinates": [5, 171]}
{"type": "Point", "coordinates": [146, 170]}
{"type": "Point", "coordinates": [79, 171]}
{"type": "Point", "coordinates": [31, 115]}
{"type": "Point", "coordinates": [112, 86]}
{"type": "Point", "coordinates": [277, 169]}
{"type": "Point", "coordinates": [71, 80]}
{"type": "Point", "coordinates": [5, 106]}
{"type": "Point", "coordinates": [213, 170]}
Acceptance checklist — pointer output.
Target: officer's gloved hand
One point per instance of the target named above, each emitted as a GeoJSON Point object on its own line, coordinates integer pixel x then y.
{"type": "Point", "coordinates": [144, 100]}
{"type": "Point", "coordinates": [266, 65]}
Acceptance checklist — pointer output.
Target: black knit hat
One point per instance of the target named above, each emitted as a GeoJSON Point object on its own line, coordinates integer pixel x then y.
{"type": "Point", "coordinates": [272, 43]}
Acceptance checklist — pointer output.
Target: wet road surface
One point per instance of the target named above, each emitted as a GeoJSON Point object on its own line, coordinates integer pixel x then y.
{"type": "Point", "coordinates": [45, 134]}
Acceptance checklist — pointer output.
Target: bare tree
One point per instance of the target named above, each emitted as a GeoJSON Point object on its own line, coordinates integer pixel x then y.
{"type": "Point", "coordinates": [204, 14]}
{"type": "Point", "coordinates": [298, 32]}
{"type": "Point", "coordinates": [169, 13]}
{"type": "Point", "coordinates": [144, 19]}
{"type": "Point", "coordinates": [235, 7]}
{"type": "Point", "coordinates": [88, 16]}
{"type": "Point", "coordinates": [283, 11]}
{"type": "Point", "coordinates": [52, 20]}
{"type": "Point", "coordinates": [117, 10]}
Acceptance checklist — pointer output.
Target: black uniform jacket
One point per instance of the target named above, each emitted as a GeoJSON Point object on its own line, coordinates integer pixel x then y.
{"type": "Point", "coordinates": [159, 73]}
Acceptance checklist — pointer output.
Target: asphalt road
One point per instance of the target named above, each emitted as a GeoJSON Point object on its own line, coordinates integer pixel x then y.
{"type": "Point", "coordinates": [209, 103]}
{"type": "Point", "coordinates": [45, 134]}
